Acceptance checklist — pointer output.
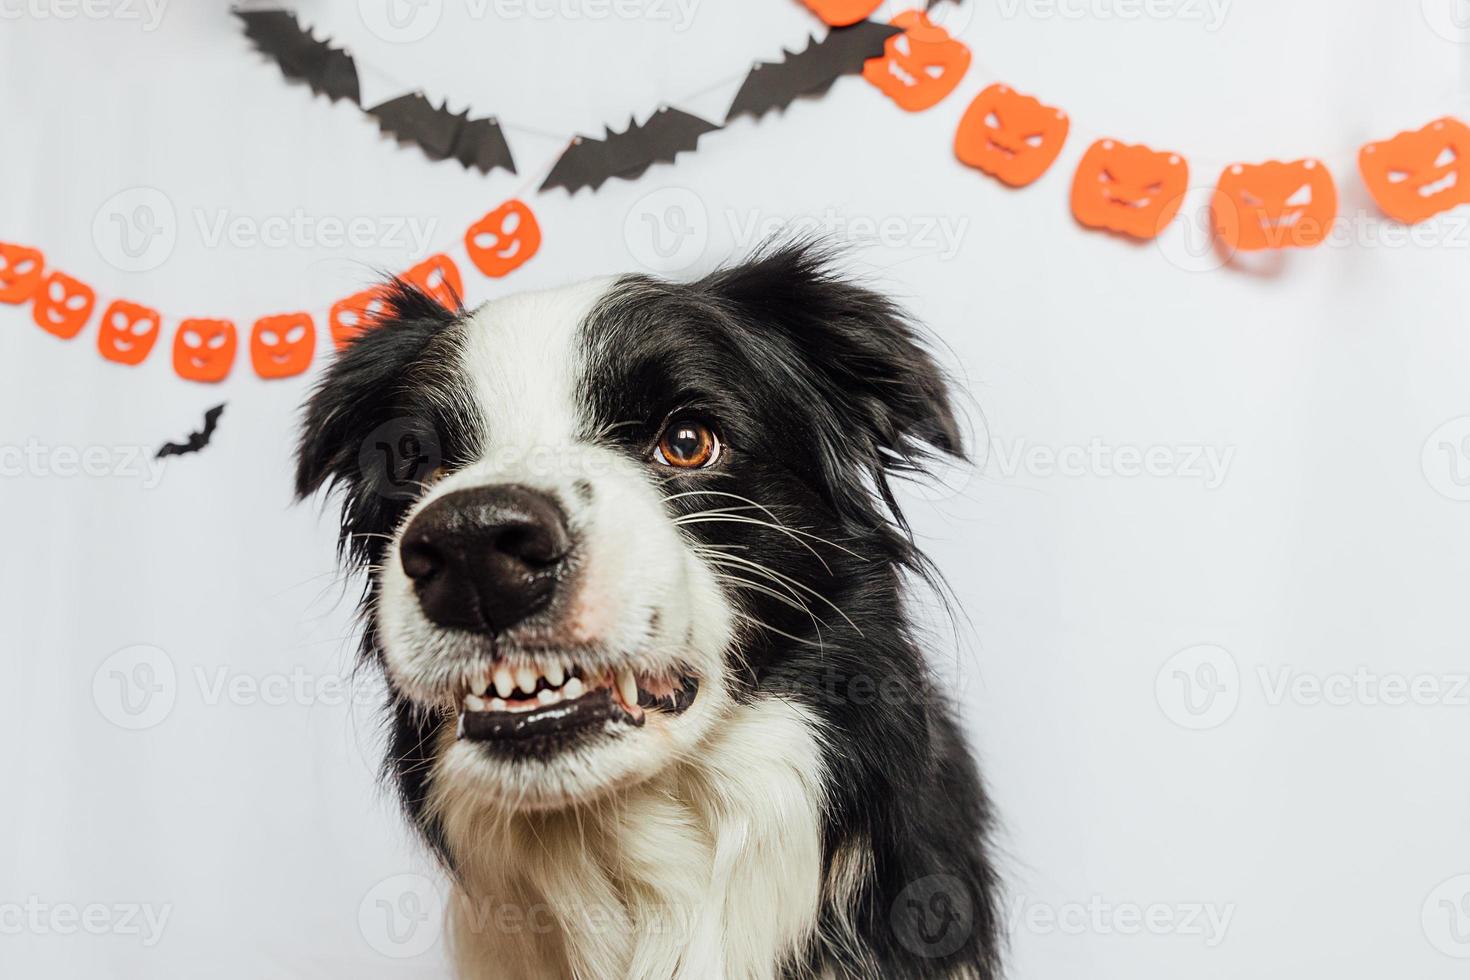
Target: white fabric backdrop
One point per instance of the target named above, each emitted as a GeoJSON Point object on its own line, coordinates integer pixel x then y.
{"type": "Point", "coordinates": [1149, 831]}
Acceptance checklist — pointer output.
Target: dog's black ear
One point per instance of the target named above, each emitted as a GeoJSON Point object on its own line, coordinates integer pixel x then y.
{"type": "Point", "coordinates": [360, 432]}
{"type": "Point", "coordinates": [877, 397]}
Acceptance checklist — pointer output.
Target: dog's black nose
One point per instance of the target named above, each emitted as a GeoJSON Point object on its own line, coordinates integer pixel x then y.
{"type": "Point", "coordinates": [484, 559]}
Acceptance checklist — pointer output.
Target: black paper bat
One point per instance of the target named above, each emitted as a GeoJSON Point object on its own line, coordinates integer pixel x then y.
{"type": "Point", "coordinates": [196, 440]}
{"type": "Point", "coordinates": [590, 162]}
{"type": "Point", "coordinates": [776, 84]}
{"type": "Point", "coordinates": [442, 134]}
{"type": "Point", "coordinates": [328, 70]}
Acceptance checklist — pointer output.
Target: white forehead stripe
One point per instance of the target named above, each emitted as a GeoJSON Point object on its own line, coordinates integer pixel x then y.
{"type": "Point", "coordinates": [524, 361]}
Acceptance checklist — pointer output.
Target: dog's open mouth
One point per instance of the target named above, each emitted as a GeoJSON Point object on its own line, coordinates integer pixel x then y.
{"type": "Point", "coordinates": [536, 708]}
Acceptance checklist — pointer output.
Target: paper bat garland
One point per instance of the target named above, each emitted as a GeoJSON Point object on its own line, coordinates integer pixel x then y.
{"type": "Point", "coordinates": [588, 162]}
{"type": "Point", "coordinates": [328, 70]}
{"type": "Point", "coordinates": [591, 162]}
{"type": "Point", "coordinates": [442, 134]}
{"type": "Point", "coordinates": [776, 84]}
{"type": "Point", "coordinates": [196, 440]}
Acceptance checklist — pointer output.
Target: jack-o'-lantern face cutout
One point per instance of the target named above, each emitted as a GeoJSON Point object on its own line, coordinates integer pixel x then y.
{"type": "Point", "coordinates": [840, 13]}
{"type": "Point", "coordinates": [1274, 205]}
{"type": "Point", "coordinates": [127, 332]}
{"type": "Point", "coordinates": [21, 271]}
{"type": "Point", "coordinates": [353, 315]}
{"type": "Point", "coordinates": [439, 277]}
{"type": "Point", "coordinates": [1010, 136]}
{"type": "Point", "coordinates": [504, 239]}
{"type": "Point", "coordinates": [204, 350]}
{"type": "Point", "coordinates": [282, 346]}
{"type": "Point", "coordinates": [62, 304]}
{"type": "Point", "coordinates": [1132, 190]}
{"type": "Point", "coordinates": [919, 67]}
{"type": "Point", "coordinates": [1419, 174]}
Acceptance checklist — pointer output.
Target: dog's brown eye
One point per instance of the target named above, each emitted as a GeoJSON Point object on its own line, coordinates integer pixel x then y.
{"type": "Point", "coordinates": [688, 444]}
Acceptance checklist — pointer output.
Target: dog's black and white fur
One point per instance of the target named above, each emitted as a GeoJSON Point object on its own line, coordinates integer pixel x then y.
{"type": "Point", "coordinates": [812, 812]}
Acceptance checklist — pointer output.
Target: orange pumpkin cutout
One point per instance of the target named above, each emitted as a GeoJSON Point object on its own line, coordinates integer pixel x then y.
{"type": "Point", "coordinates": [21, 271]}
{"type": "Point", "coordinates": [504, 239]}
{"type": "Point", "coordinates": [1010, 136]}
{"type": "Point", "coordinates": [919, 67]}
{"type": "Point", "coordinates": [351, 316]}
{"type": "Point", "coordinates": [439, 277]}
{"type": "Point", "coordinates": [62, 304]}
{"type": "Point", "coordinates": [1274, 205]}
{"type": "Point", "coordinates": [204, 350]}
{"type": "Point", "coordinates": [840, 13]}
{"type": "Point", "coordinates": [282, 346]}
{"type": "Point", "coordinates": [1421, 173]}
{"type": "Point", "coordinates": [127, 332]}
{"type": "Point", "coordinates": [1132, 190]}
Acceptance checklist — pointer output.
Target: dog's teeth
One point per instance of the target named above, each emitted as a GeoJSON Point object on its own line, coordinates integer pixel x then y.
{"type": "Point", "coordinates": [554, 675]}
{"type": "Point", "coordinates": [573, 689]}
{"type": "Point", "coordinates": [526, 679]}
{"type": "Point", "coordinates": [480, 685]}
{"type": "Point", "coordinates": [473, 703]}
{"type": "Point", "coordinates": [497, 704]}
{"type": "Point", "coordinates": [503, 683]}
{"type": "Point", "coordinates": [628, 688]}
{"type": "Point", "coordinates": [548, 696]}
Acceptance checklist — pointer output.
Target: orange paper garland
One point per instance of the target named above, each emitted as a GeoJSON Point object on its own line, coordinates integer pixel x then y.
{"type": "Point", "coordinates": [1421, 173]}
{"type": "Point", "coordinates": [1132, 190]}
{"type": "Point", "coordinates": [1010, 136]}
{"type": "Point", "coordinates": [1274, 205]}
{"type": "Point", "coordinates": [919, 67]}
{"type": "Point", "coordinates": [281, 345]}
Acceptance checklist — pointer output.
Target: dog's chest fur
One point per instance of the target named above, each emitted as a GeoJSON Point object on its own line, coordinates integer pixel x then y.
{"type": "Point", "coordinates": [713, 869]}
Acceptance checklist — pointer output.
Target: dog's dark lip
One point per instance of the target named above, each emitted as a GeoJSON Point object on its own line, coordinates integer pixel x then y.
{"type": "Point", "coordinates": [548, 728]}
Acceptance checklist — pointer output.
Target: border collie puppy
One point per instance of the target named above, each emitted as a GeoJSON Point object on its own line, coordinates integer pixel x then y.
{"type": "Point", "coordinates": [635, 578]}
